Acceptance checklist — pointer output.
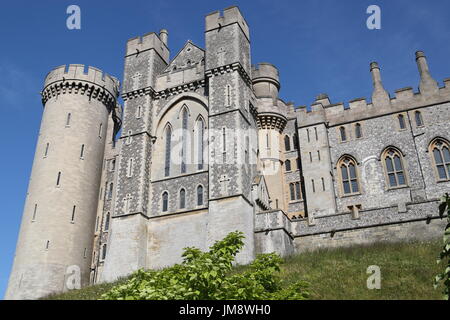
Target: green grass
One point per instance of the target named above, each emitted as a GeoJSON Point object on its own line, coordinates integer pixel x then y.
{"type": "Point", "coordinates": [407, 272]}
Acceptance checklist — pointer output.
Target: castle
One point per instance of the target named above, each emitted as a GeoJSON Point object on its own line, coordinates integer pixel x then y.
{"type": "Point", "coordinates": [207, 147]}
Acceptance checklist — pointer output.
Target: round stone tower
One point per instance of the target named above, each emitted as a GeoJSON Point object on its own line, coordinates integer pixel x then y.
{"type": "Point", "coordinates": [271, 121]}
{"type": "Point", "coordinates": [266, 80]}
{"type": "Point", "coordinates": [56, 236]}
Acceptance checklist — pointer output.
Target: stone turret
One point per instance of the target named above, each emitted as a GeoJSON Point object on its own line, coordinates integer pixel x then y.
{"type": "Point", "coordinates": [55, 240]}
{"type": "Point", "coordinates": [428, 85]}
{"type": "Point", "coordinates": [380, 96]}
{"type": "Point", "coordinates": [266, 80]}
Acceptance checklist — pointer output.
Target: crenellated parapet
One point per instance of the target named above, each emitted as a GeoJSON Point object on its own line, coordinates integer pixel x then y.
{"type": "Point", "coordinates": [429, 93]}
{"type": "Point", "coordinates": [266, 80]}
{"type": "Point", "coordinates": [149, 41]}
{"type": "Point", "coordinates": [78, 79]}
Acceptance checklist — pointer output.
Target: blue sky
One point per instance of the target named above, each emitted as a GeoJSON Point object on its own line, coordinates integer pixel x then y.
{"type": "Point", "coordinates": [318, 46]}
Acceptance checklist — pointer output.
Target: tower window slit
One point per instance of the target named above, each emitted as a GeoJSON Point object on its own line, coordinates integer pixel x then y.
{"type": "Point", "coordinates": [58, 180]}
{"type": "Point", "coordinates": [46, 149]}
{"type": "Point", "coordinates": [73, 214]}
{"type": "Point", "coordinates": [34, 212]}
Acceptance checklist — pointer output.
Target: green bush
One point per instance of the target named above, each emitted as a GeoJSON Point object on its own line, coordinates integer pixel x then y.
{"type": "Point", "coordinates": [444, 277]}
{"type": "Point", "coordinates": [207, 276]}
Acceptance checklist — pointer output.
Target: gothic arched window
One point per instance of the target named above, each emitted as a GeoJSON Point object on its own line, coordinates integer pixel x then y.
{"type": "Point", "coordinates": [200, 195]}
{"type": "Point", "coordinates": [107, 219]}
{"type": "Point", "coordinates": [343, 134]}
{"type": "Point", "coordinates": [295, 192]}
{"type": "Point", "coordinates": [298, 193]}
{"type": "Point", "coordinates": [287, 143]}
{"type": "Point", "coordinates": [292, 191]}
{"type": "Point", "coordinates": [200, 134]}
{"type": "Point", "coordinates": [182, 199]}
{"type": "Point", "coordinates": [395, 174]}
{"type": "Point", "coordinates": [295, 140]}
{"type": "Point", "coordinates": [288, 165]}
{"type": "Point", "coordinates": [348, 175]}
{"type": "Point", "coordinates": [104, 252]}
{"type": "Point", "coordinates": [358, 131]}
{"type": "Point", "coordinates": [110, 190]}
{"type": "Point", "coordinates": [168, 137]}
{"type": "Point", "coordinates": [184, 126]}
{"type": "Point", "coordinates": [418, 117]}
{"type": "Point", "coordinates": [165, 201]}
{"type": "Point", "coordinates": [441, 157]}
{"type": "Point", "coordinates": [401, 121]}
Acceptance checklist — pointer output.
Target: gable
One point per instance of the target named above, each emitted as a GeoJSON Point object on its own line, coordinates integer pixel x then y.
{"type": "Point", "coordinates": [189, 56]}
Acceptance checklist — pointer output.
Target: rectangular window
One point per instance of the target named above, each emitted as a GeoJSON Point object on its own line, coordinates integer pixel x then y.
{"type": "Point", "coordinates": [100, 130]}
{"type": "Point", "coordinates": [323, 184]}
{"type": "Point", "coordinates": [318, 154]}
{"type": "Point", "coordinates": [68, 120]}
{"type": "Point", "coordinates": [73, 214]}
{"type": "Point", "coordinates": [313, 185]}
{"type": "Point", "coordinates": [82, 151]}
{"type": "Point", "coordinates": [310, 157]}
{"type": "Point", "coordinates": [307, 133]}
{"type": "Point", "coordinates": [317, 137]}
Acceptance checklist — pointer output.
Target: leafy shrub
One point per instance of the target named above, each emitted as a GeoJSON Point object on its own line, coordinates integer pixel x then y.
{"type": "Point", "coordinates": [207, 276]}
{"type": "Point", "coordinates": [445, 253]}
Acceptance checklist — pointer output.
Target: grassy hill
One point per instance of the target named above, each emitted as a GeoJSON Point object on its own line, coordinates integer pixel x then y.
{"type": "Point", "coordinates": [407, 272]}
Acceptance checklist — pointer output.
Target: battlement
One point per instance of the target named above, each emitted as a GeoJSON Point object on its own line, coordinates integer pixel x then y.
{"type": "Point", "coordinates": [147, 42]}
{"type": "Point", "coordinates": [266, 80]}
{"type": "Point", "coordinates": [84, 73]}
{"type": "Point", "coordinates": [322, 110]}
{"type": "Point", "coordinates": [230, 15]}
{"type": "Point", "coordinates": [265, 72]}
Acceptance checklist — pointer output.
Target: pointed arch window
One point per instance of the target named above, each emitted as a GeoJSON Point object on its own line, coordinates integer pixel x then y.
{"type": "Point", "coordinates": [295, 140]}
{"type": "Point", "coordinates": [418, 118]}
{"type": "Point", "coordinates": [182, 199]}
{"type": "Point", "coordinates": [184, 140]}
{"type": "Point", "coordinates": [292, 191]}
{"type": "Point", "coordinates": [441, 157]}
{"type": "Point", "coordinates": [165, 201]}
{"type": "Point", "coordinates": [168, 137]}
{"type": "Point", "coordinates": [395, 174]}
{"type": "Point", "coordinates": [295, 191]}
{"type": "Point", "coordinates": [200, 195]}
{"type": "Point", "coordinates": [107, 219]}
{"type": "Point", "coordinates": [343, 134]}
{"type": "Point", "coordinates": [348, 175]}
{"type": "Point", "coordinates": [110, 191]}
{"type": "Point", "coordinates": [358, 131]}
{"type": "Point", "coordinates": [287, 143]}
{"type": "Point", "coordinates": [200, 137]}
{"type": "Point", "coordinates": [401, 121]}
{"type": "Point", "coordinates": [288, 165]}
{"type": "Point", "coordinates": [104, 252]}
